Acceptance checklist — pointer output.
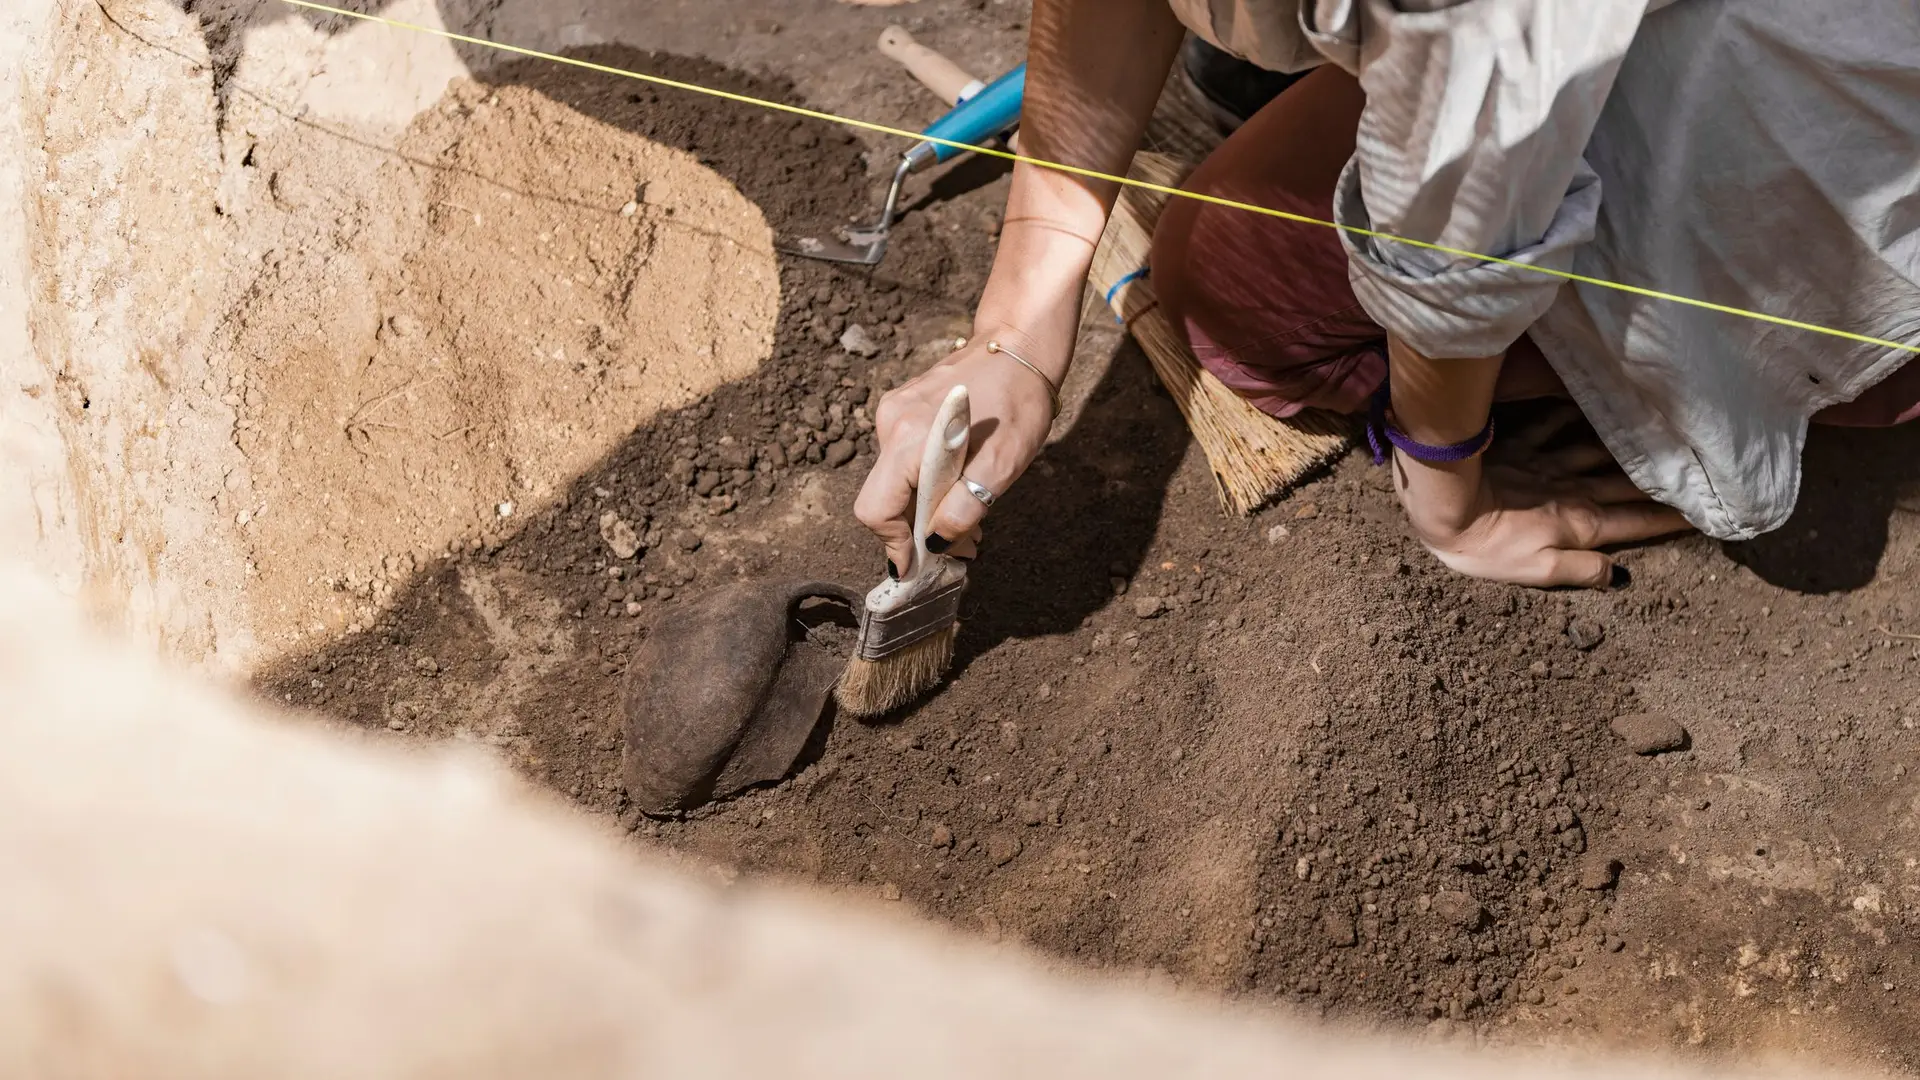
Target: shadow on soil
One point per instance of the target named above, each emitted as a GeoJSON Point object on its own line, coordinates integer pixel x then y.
{"type": "Point", "coordinates": [1086, 512]}
{"type": "Point", "coordinates": [1854, 481]}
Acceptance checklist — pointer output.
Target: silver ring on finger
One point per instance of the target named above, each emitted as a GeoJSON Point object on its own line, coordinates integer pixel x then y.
{"type": "Point", "coordinates": [979, 491]}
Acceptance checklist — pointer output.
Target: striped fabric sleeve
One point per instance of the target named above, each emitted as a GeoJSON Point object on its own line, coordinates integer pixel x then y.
{"type": "Point", "coordinates": [1477, 115]}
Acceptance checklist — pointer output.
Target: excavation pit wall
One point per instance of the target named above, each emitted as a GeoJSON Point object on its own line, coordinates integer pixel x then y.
{"type": "Point", "coordinates": [294, 309]}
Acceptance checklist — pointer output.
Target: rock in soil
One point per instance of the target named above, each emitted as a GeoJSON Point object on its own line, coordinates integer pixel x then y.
{"type": "Point", "coordinates": [1586, 634]}
{"type": "Point", "coordinates": [1149, 607]}
{"type": "Point", "coordinates": [618, 536]}
{"type": "Point", "coordinates": [839, 453]}
{"type": "Point", "coordinates": [1649, 733]}
{"type": "Point", "coordinates": [859, 342]}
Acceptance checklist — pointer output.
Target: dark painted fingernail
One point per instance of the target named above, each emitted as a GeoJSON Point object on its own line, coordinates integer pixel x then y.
{"type": "Point", "coordinates": [893, 572]}
{"type": "Point", "coordinates": [1620, 578]}
{"type": "Point", "coordinates": [938, 544]}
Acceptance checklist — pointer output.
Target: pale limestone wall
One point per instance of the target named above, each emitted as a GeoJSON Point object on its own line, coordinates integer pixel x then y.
{"type": "Point", "coordinates": [152, 436]}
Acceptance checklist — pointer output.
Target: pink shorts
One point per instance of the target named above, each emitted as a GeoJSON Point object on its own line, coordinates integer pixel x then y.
{"type": "Point", "coordinates": [1266, 304]}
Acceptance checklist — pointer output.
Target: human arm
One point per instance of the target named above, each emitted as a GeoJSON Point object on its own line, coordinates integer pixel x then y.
{"type": "Point", "coordinates": [1094, 71]}
{"type": "Point", "coordinates": [1526, 527]}
{"type": "Point", "coordinates": [1477, 118]}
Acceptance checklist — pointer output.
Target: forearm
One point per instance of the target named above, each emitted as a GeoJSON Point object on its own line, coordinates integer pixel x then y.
{"type": "Point", "coordinates": [1094, 72]}
{"type": "Point", "coordinates": [1440, 402]}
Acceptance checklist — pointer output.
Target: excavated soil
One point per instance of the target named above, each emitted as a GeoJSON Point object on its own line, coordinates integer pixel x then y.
{"type": "Point", "coordinates": [1288, 758]}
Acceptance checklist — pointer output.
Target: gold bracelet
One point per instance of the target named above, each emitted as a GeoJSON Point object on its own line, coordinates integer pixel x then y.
{"type": "Point", "coordinates": [1053, 392]}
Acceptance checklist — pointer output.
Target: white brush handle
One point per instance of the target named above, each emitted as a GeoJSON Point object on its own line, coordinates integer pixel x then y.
{"type": "Point", "coordinates": [940, 464]}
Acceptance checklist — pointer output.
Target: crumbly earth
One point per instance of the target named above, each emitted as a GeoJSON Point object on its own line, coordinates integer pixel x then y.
{"type": "Point", "coordinates": [1288, 758]}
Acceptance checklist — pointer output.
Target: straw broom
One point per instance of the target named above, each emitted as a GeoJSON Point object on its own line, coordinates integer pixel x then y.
{"type": "Point", "coordinates": [1254, 457]}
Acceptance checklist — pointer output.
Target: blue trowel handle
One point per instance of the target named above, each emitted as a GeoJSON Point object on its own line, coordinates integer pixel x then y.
{"type": "Point", "coordinates": [986, 115]}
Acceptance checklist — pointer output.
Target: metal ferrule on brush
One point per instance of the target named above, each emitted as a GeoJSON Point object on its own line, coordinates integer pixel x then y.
{"type": "Point", "coordinates": [901, 613]}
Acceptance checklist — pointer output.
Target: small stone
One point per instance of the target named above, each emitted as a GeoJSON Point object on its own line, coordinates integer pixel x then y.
{"type": "Point", "coordinates": [687, 540]}
{"type": "Point", "coordinates": [889, 891]}
{"type": "Point", "coordinates": [942, 836]}
{"type": "Point", "coordinates": [619, 536]}
{"type": "Point", "coordinates": [839, 453]}
{"type": "Point", "coordinates": [1002, 847]}
{"type": "Point", "coordinates": [1307, 512]}
{"type": "Point", "coordinates": [1459, 909]}
{"type": "Point", "coordinates": [1337, 930]}
{"type": "Point", "coordinates": [1649, 733]}
{"type": "Point", "coordinates": [1598, 874]}
{"type": "Point", "coordinates": [1149, 607]}
{"type": "Point", "coordinates": [427, 666]}
{"type": "Point", "coordinates": [859, 342]}
{"type": "Point", "coordinates": [1539, 669]}
{"type": "Point", "coordinates": [1585, 634]}
{"type": "Point", "coordinates": [1278, 533]}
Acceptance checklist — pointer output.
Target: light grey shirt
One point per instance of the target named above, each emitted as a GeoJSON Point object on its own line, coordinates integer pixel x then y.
{"type": "Point", "coordinates": [1761, 154]}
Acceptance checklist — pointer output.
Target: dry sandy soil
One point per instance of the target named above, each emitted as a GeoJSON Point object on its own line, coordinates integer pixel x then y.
{"type": "Point", "coordinates": [1322, 770]}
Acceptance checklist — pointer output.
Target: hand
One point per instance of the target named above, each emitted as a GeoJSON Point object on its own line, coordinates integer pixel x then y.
{"type": "Point", "coordinates": [1012, 413]}
{"type": "Point", "coordinates": [1533, 518]}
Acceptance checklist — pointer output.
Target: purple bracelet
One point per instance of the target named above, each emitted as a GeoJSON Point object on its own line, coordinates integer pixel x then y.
{"type": "Point", "coordinates": [1380, 433]}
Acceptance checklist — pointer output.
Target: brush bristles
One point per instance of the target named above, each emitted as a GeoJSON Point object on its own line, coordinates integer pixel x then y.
{"type": "Point", "coordinates": [874, 687]}
{"type": "Point", "coordinates": [1254, 457]}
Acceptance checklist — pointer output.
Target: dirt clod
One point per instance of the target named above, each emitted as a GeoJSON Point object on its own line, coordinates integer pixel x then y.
{"type": "Point", "coordinates": [1002, 847]}
{"type": "Point", "coordinates": [1338, 931]}
{"type": "Point", "coordinates": [1460, 909]}
{"type": "Point", "coordinates": [1586, 634]}
{"type": "Point", "coordinates": [1649, 733]}
{"type": "Point", "coordinates": [1599, 874]}
{"type": "Point", "coordinates": [840, 452]}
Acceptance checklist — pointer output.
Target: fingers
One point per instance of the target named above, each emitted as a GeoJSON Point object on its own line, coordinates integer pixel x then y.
{"type": "Point", "coordinates": [885, 504]}
{"type": "Point", "coordinates": [1576, 569]}
{"type": "Point", "coordinates": [958, 515]}
{"type": "Point", "coordinates": [1629, 523]}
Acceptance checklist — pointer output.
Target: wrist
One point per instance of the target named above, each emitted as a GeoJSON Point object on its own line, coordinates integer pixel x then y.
{"type": "Point", "coordinates": [1441, 499]}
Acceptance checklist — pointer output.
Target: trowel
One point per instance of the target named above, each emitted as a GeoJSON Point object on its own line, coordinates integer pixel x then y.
{"type": "Point", "coordinates": [987, 115]}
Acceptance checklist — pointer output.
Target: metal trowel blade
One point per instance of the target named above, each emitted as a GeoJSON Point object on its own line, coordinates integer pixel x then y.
{"type": "Point", "coordinates": [859, 246]}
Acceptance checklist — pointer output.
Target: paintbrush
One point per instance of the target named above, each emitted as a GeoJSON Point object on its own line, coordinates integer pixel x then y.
{"type": "Point", "coordinates": [1254, 457]}
{"type": "Point", "coordinates": [908, 624]}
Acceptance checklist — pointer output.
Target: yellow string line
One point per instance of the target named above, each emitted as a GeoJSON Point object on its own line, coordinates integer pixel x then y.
{"type": "Point", "coordinates": [1094, 174]}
